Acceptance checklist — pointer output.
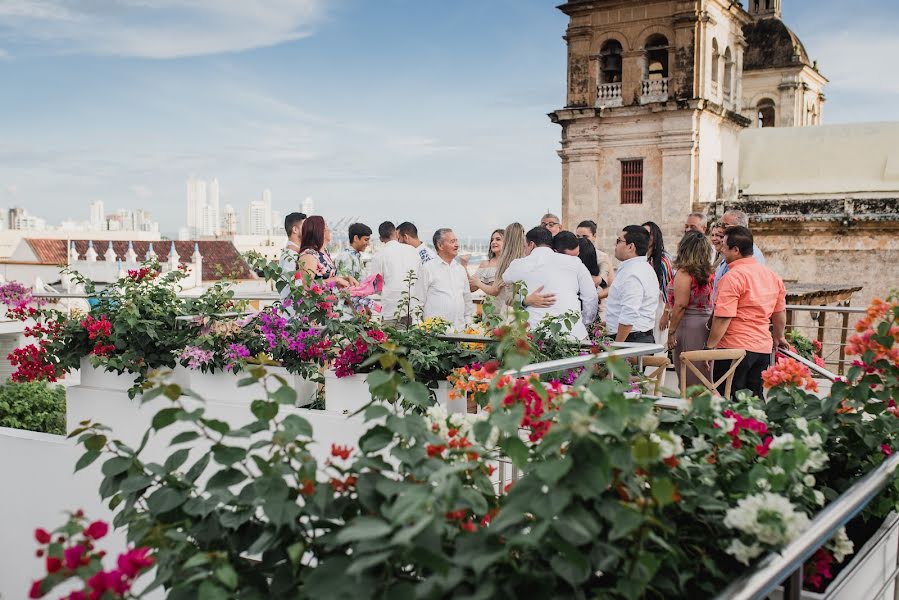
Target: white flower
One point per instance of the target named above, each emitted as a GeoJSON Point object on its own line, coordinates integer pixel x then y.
{"type": "Point", "coordinates": [819, 497]}
{"type": "Point", "coordinates": [669, 445]}
{"type": "Point", "coordinates": [867, 417]}
{"type": "Point", "coordinates": [769, 517]}
{"type": "Point", "coordinates": [841, 545]}
{"type": "Point", "coordinates": [742, 552]}
{"type": "Point", "coordinates": [699, 444]}
{"type": "Point", "coordinates": [457, 419]}
{"type": "Point", "coordinates": [717, 402]}
{"type": "Point", "coordinates": [726, 424]}
{"type": "Point", "coordinates": [649, 422]}
{"type": "Point", "coordinates": [815, 462]}
{"type": "Point", "coordinates": [777, 470]}
{"type": "Point", "coordinates": [758, 415]}
{"type": "Point", "coordinates": [763, 484]}
{"type": "Point", "coordinates": [784, 441]}
{"type": "Point", "coordinates": [812, 441]}
{"type": "Point", "coordinates": [797, 489]}
{"type": "Point", "coordinates": [809, 480]}
{"type": "Point", "coordinates": [801, 424]}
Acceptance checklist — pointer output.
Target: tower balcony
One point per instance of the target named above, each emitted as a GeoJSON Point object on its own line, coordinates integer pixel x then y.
{"type": "Point", "coordinates": [608, 95]}
{"type": "Point", "coordinates": [654, 90]}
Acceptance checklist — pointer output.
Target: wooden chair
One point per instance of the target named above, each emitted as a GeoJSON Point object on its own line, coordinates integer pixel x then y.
{"type": "Point", "coordinates": [660, 363]}
{"type": "Point", "coordinates": [687, 360]}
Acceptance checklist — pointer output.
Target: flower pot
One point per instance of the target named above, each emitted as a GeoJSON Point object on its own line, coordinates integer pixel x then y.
{"type": "Point", "coordinates": [102, 379]}
{"type": "Point", "coordinates": [345, 395]}
{"type": "Point", "coordinates": [453, 405]}
{"type": "Point", "coordinates": [870, 572]}
{"type": "Point", "coordinates": [222, 386]}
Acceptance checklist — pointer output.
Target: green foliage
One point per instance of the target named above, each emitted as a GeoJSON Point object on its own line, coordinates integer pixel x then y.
{"type": "Point", "coordinates": [35, 406]}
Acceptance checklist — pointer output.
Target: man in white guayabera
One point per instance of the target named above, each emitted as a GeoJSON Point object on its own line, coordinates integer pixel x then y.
{"type": "Point", "coordinates": [293, 225]}
{"type": "Point", "coordinates": [443, 283]}
{"type": "Point", "coordinates": [393, 261]}
{"type": "Point", "coordinates": [562, 276]}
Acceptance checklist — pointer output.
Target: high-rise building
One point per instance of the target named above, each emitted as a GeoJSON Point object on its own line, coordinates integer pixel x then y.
{"type": "Point", "coordinates": [258, 218]}
{"type": "Point", "coordinates": [196, 205]}
{"type": "Point", "coordinates": [98, 216]}
{"type": "Point", "coordinates": [211, 224]}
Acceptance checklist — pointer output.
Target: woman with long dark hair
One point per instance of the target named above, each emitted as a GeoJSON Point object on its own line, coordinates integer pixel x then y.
{"type": "Point", "coordinates": [661, 263]}
{"type": "Point", "coordinates": [690, 294]}
{"type": "Point", "coordinates": [314, 257]}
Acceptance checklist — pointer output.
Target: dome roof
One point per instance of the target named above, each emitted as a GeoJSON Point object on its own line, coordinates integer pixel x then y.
{"type": "Point", "coordinates": [770, 44]}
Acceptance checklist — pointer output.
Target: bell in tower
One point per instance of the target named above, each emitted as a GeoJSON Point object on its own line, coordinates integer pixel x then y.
{"type": "Point", "coordinates": [765, 9]}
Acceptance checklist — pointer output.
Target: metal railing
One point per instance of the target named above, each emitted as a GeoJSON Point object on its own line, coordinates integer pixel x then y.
{"type": "Point", "coordinates": [823, 372]}
{"type": "Point", "coordinates": [627, 350]}
{"type": "Point", "coordinates": [786, 566]}
{"type": "Point", "coordinates": [832, 337]}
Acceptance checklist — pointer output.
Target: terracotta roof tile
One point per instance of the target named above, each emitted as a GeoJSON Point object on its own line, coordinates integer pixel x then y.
{"type": "Point", "coordinates": [220, 257]}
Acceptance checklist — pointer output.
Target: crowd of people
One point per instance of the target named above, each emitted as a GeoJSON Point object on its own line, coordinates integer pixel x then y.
{"type": "Point", "coordinates": [714, 293]}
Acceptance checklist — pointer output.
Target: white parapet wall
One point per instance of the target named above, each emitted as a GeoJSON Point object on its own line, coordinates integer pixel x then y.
{"type": "Point", "coordinates": [39, 484]}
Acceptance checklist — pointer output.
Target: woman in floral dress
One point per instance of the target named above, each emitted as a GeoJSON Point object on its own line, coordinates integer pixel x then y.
{"type": "Point", "coordinates": [689, 295]}
{"type": "Point", "coordinates": [314, 257]}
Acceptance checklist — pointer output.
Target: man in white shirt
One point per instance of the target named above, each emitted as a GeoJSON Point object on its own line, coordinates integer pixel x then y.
{"type": "Point", "coordinates": [443, 283]}
{"type": "Point", "coordinates": [634, 295]}
{"type": "Point", "coordinates": [561, 275]}
{"type": "Point", "coordinates": [408, 234]}
{"type": "Point", "coordinates": [293, 226]}
{"type": "Point", "coordinates": [393, 262]}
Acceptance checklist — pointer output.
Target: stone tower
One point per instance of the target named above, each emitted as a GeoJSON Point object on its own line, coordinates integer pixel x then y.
{"type": "Point", "coordinates": [781, 86]}
{"type": "Point", "coordinates": [653, 113]}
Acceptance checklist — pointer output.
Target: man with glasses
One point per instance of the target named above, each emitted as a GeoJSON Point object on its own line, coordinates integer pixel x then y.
{"type": "Point", "coordinates": [696, 222]}
{"type": "Point", "coordinates": [634, 295]}
{"type": "Point", "coordinates": [587, 230]}
{"type": "Point", "coordinates": [552, 223]}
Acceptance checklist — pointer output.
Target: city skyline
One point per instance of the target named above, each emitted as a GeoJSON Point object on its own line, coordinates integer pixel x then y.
{"type": "Point", "coordinates": [434, 113]}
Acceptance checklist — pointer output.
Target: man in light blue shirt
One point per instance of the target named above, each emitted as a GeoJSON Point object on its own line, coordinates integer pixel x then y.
{"type": "Point", "coordinates": [733, 218]}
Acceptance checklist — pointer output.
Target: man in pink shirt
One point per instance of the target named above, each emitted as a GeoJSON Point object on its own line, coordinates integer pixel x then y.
{"type": "Point", "coordinates": [750, 299]}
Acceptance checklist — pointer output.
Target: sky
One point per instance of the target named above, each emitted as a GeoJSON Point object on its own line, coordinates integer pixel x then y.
{"type": "Point", "coordinates": [428, 110]}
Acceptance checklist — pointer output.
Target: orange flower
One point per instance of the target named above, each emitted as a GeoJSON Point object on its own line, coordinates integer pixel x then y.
{"type": "Point", "coordinates": [788, 371]}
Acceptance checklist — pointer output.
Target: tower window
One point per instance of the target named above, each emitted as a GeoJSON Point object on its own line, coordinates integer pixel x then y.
{"type": "Point", "coordinates": [719, 188]}
{"type": "Point", "coordinates": [632, 181]}
{"type": "Point", "coordinates": [716, 58]}
{"type": "Point", "coordinates": [656, 57]}
{"type": "Point", "coordinates": [728, 73]}
{"type": "Point", "coordinates": [766, 113]}
{"type": "Point", "coordinates": [610, 62]}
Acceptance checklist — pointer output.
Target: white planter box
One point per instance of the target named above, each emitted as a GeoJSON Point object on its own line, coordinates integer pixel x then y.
{"type": "Point", "coordinates": [868, 574]}
{"type": "Point", "coordinates": [345, 395]}
{"type": "Point", "coordinates": [221, 386]}
{"type": "Point", "coordinates": [104, 380]}
{"type": "Point", "coordinates": [456, 405]}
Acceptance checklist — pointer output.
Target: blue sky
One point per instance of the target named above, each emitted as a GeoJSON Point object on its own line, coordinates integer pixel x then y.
{"type": "Point", "coordinates": [428, 110]}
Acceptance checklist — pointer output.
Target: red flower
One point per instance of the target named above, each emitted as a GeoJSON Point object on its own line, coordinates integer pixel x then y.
{"type": "Point", "coordinates": [96, 530]}
{"type": "Point", "coordinates": [885, 448]}
{"type": "Point", "coordinates": [73, 556]}
{"type": "Point", "coordinates": [671, 461]}
{"type": "Point", "coordinates": [308, 488]}
{"type": "Point", "coordinates": [76, 595]}
{"type": "Point", "coordinates": [42, 536]}
{"type": "Point", "coordinates": [762, 449]}
{"type": "Point", "coordinates": [35, 591]}
{"type": "Point", "coordinates": [341, 451]}
{"type": "Point", "coordinates": [455, 515]}
{"type": "Point", "coordinates": [468, 526]}
{"type": "Point", "coordinates": [435, 450]}
{"type": "Point", "coordinates": [134, 561]}
{"type": "Point", "coordinates": [53, 564]}
{"type": "Point", "coordinates": [491, 366]}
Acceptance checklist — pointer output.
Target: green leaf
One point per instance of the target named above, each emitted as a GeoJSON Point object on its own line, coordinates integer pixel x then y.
{"type": "Point", "coordinates": [165, 499]}
{"type": "Point", "coordinates": [363, 528]}
{"type": "Point", "coordinates": [515, 449]}
{"type": "Point", "coordinates": [551, 471]}
{"type": "Point", "coordinates": [135, 483]}
{"type": "Point", "coordinates": [375, 411]}
{"type": "Point", "coordinates": [281, 512]}
{"type": "Point", "coordinates": [225, 478]}
{"type": "Point", "coordinates": [361, 563]}
{"type": "Point", "coordinates": [116, 465]}
{"type": "Point", "coordinates": [644, 451]}
{"type": "Point", "coordinates": [86, 459]}
{"type": "Point", "coordinates": [663, 490]}
{"type": "Point", "coordinates": [263, 410]}
{"type": "Point", "coordinates": [624, 520]}
{"type": "Point", "coordinates": [415, 393]}
{"type": "Point", "coordinates": [176, 459]}
{"type": "Point", "coordinates": [227, 455]}
{"type": "Point", "coordinates": [95, 442]}
{"type": "Point", "coordinates": [284, 395]}
{"type": "Point", "coordinates": [210, 591]}
{"type": "Point", "coordinates": [200, 558]}
{"type": "Point", "coordinates": [375, 439]}
{"type": "Point", "coordinates": [197, 469]}
{"type": "Point", "coordinates": [165, 417]}
{"type": "Point", "coordinates": [184, 437]}
{"type": "Point", "coordinates": [297, 426]}
{"type": "Point", "coordinates": [227, 575]}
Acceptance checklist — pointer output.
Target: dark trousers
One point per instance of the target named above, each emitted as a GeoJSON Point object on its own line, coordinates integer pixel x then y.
{"type": "Point", "coordinates": [748, 375]}
{"type": "Point", "coordinates": [641, 337]}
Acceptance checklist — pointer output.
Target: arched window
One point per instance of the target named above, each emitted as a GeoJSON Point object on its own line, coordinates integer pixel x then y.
{"type": "Point", "coordinates": [656, 48]}
{"type": "Point", "coordinates": [766, 114]}
{"type": "Point", "coordinates": [728, 73]}
{"type": "Point", "coordinates": [610, 62]}
{"type": "Point", "coordinates": [716, 58]}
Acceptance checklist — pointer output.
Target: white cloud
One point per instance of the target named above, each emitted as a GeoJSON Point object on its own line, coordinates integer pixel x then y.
{"type": "Point", "coordinates": [161, 29]}
{"type": "Point", "coordinates": [4, 55]}
{"type": "Point", "coordinates": [141, 191]}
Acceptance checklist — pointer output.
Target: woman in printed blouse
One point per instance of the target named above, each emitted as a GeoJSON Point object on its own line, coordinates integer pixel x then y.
{"type": "Point", "coordinates": [314, 258]}
{"type": "Point", "coordinates": [689, 295]}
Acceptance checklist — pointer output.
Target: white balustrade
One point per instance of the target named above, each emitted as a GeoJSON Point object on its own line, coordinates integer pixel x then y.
{"type": "Point", "coordinates": [608, 94]}
{"type": "Point", "coordinates": [654, 90]}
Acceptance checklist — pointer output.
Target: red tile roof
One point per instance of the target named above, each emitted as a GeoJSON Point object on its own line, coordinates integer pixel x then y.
{"type": "Point", "coordinates": [220, 257]}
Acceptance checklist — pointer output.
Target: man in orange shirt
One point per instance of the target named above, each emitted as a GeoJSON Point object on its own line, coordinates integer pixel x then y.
{"type": "Point", "coordinates": [750, 298]}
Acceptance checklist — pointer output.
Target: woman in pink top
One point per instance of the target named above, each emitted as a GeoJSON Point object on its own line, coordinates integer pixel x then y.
{"type": "Point", "coordinates": [689, 295]}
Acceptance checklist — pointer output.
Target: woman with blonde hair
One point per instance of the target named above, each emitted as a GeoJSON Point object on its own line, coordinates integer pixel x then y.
{"type": "Point", "coordinates": [690, 298]}
{"type": "Point", "coordinates": [514, 247]}
{"type": "Point", "coordinates": [487, 270]}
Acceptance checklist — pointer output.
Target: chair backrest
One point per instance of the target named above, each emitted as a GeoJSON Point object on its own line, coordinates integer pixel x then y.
{"type": "Point", "coordinates": [688, 360]}
{"type": "Point", "coordinates": [659, 363]}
